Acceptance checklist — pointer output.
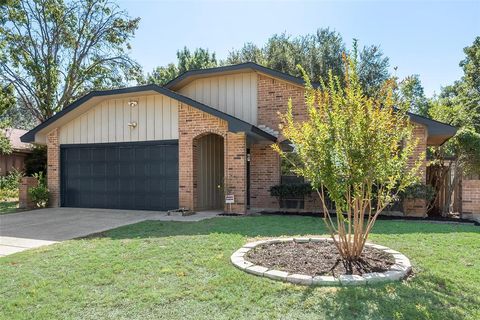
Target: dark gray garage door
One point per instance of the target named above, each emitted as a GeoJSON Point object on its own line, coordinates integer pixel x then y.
{"type": "Point", "coordinates": [140, 175]}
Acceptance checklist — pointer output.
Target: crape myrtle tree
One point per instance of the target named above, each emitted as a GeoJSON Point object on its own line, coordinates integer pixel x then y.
{"type": "Point", "coordinates": [355, 149]}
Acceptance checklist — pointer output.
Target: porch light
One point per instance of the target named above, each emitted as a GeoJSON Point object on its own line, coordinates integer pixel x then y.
{"type": "Point", "coordinates": [132, 103]}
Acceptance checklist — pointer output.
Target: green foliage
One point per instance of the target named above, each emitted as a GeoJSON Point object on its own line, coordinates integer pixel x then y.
{"type": "Point", "coordinates": [9, 185]}
{"type": "Point", "coordinates": [411, 92]}
{"type": "Point", "coordinates": [353, 148]}
{"type": "Point", "coordinates": [418, 191]}
{"type": "Point", "coordinates": [289, 162]}
{"type": "Point", "coordinates": [36, 161]}
{"type": "Point", "coordinates": [186, 60]}
{"type": "Point", "coordinates": [19, 117]}
{"type": "Point", "coordinates": [319, 54]}
{"type": "Point", "coordinates": [39, 194]}
{"type": "Point", "coordinates": [54, 51]}
{"type": "Point", "coordinates": [7, 101]}
{"type": "Point", "coordinates": [293, 190]}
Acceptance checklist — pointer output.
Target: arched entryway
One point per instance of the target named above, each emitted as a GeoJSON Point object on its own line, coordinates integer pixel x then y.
{"type": "Point", "coordinates": [209, 172]}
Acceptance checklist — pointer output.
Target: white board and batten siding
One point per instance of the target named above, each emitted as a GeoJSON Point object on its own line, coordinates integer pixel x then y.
{"type": "Point", "coordinates": [156, 117]}
{"type": "Point", "coordinates": [234, 94]}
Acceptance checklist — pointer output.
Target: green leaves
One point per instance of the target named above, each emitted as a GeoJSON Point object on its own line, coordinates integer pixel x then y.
{"type": "Point", "coordinates": [55, 51]}
{"type": "Point", "coordinates": [355, 149]}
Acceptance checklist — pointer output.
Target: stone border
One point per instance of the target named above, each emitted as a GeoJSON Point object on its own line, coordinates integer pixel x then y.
{"type": "Point", "coordinates": [398, 271]}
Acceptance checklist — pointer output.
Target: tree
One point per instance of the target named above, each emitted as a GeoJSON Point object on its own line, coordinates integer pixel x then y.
{"type": "Point", "coordinates": [162, 75]}
{"type": "Point", "coordinates": [186, 60]}
{"type": "Point", "coordinates": [459, 105]}
{"type": "Point", "coordinates": [199, 59]}
{"type": "Point", "coordinates": [7, 101]}
{"type": "Point", "coordinates": [372, 69]}
{"type": "Point", "coordinates": [54, 51]}
{"type": "Point", "coordinates": [248, 53]}
{"type": "Point", "coordinates": [355, 149]}
{"type": "Point", "coordinates": [411, 91]}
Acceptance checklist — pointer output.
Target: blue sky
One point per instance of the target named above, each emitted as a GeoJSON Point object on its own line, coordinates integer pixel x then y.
{"type": "Point", "coordinates": [420, 37]}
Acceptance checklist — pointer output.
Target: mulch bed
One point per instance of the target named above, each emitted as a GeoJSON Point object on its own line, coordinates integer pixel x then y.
{"type": "Point", "coordinates": [317, 259]}
{"type": "Point", "coordinates": [380, 217]}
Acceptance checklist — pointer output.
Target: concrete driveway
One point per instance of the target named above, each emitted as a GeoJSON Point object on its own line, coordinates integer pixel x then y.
{"type": "Point", "coordinates": [31, 229]}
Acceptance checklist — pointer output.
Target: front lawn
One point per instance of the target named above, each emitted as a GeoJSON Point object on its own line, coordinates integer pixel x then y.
{"type": "Point", "coordinates": [179, 270]}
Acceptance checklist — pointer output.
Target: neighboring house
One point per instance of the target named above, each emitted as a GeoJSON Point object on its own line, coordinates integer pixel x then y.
{"type": "Point", "coordinates": [205, 134]}
{"type": "Point", "coordinates": [20, 150]}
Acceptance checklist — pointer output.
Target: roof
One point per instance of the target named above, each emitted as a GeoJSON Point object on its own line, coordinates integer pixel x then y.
{"type": "Point", "coordinates": [234, 124]}
{"type": "Point", "coordinates": [438, 132]}
{"type": "Point", "coordinates": [14, 136]}
{"type": "Point", "coordinates": [190, 75]}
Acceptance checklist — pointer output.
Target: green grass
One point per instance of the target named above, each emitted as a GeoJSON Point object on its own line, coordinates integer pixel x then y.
{"type": "Point", "coordinates": [8, 207]}
{"type": "Point", "coordinates": [179, 270]}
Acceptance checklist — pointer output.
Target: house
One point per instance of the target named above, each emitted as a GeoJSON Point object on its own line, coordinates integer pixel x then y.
{"type": "Point", "coordinates": [20, 150]}
{"type": "Point", "coordinates": [205, 134]}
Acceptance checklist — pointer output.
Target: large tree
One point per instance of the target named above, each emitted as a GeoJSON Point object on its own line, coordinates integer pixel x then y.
{"type": "Point", "coordinates": [54, 51]}
{"type": "Point", "coordinates": [319, 54]}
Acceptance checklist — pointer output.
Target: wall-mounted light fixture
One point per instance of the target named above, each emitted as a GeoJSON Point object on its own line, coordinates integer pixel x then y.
{"type": "Point", "coordinates": [133, 103]}
{"type": "Point", "coordinates": [132, 125]}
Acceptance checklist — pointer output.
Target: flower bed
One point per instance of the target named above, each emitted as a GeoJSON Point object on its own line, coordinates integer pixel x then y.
{"type": "Point", "coordinates": [316, 261]}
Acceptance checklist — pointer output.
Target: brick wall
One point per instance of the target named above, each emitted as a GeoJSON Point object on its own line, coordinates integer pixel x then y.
{"type": "Point", "coordinates": [193, 124]}
{"type": "Point", "coordinates": [471, 199]}
{"type": "Point", "coordinates": [53, 167]}
{"type": "Point", "coordinates": [24, 200]}
{"type": "Point", "coordinates": [264, 173]}
{"type": "Point", "coordinates": [273, 96]}
{"type": "Point", "coordinates": [418, 207]}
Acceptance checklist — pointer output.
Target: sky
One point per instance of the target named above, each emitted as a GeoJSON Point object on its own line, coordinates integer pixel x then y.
{"type": "Point", "coordinates": [420, 37]}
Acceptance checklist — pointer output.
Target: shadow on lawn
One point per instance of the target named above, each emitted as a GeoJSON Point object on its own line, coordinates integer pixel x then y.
{"type": "Point", "coordinates": [267, 226]}
{"type": "Point", "coordinates": [422, 298]}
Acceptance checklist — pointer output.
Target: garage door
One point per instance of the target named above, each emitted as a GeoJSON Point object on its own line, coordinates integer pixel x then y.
{"type": "Point", "coordinates": [140, 175]}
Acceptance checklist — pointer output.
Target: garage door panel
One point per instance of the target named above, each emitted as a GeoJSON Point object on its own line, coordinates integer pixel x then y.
{"type": "Point", "coordinates": [121, 176]}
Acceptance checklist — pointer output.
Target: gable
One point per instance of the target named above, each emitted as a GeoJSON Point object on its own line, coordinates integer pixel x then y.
{"type": "Point", "coordinates": [234, 94]}
{"type": "Point", "coordinates": [155, 115]}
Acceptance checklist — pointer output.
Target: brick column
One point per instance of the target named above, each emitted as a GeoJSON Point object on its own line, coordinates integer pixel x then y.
{"type": "Point", "coordinates": [264, 173]}
{"type": "Point", "coordinates": [53, 168]}
{"type": "Point", "coordinates": [418, 207]}
{"type": "Point", "coordinates": [24, 200]}
{"type": "Point", "coordinates": [236, 171]}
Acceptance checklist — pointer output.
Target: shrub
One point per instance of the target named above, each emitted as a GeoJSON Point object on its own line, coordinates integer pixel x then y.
{"type": "Point", "coordinates": [418, 191]}
{"type": "Point", "coordinates": [293, 190]}
{"type": "Point", "coordinates": [39, 194]}
{"type": "Point", "coordinates": [9, 185]}
{"type": "Point", "coordinates": [36, 161]}
{"type": "Point", "coordinates": [354, 148]}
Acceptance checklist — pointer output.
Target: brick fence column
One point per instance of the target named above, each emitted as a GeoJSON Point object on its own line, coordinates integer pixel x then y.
{"type": "Point", "coordinates": [53, 168]}
{"type": "Point", "coordinates": [24, 200]}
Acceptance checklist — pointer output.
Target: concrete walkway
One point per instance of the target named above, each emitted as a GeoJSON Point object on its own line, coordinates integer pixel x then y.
{"type": "Point", "coordinates": [32, 229]}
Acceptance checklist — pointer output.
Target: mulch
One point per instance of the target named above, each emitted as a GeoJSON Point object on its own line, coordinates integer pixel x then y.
{"type": "Point", "coordinates": [317, 259]}
{"type": "Point", "coordinates": [380, 217]}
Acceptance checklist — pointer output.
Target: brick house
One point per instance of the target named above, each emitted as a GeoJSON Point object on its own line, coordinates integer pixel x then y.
{"type": "Point", "coordinates": [20, 151]}
{"type": "Point", "coordinates": [203, 135]}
